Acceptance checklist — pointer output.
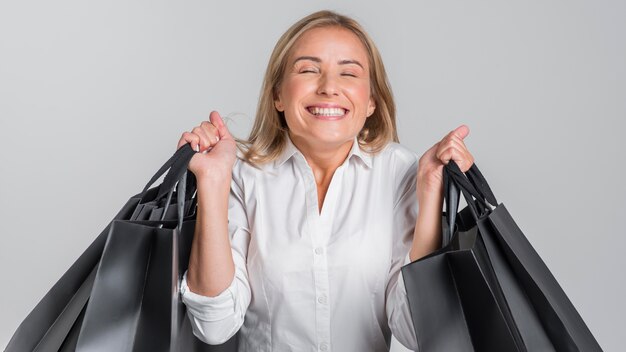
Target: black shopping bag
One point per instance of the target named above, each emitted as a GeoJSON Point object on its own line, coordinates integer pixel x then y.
{"type": "Point", "coordinates": [122, 293]}
{"type": "Point", "coordinates": [487, 289]}
{"type": "Point", "coordinates": [46, 326]}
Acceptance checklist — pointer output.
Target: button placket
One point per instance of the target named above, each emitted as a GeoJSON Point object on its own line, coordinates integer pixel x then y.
{"type": "Point", "coordinates": [323, 299]}
{"type": "Point", "coordinates": [325, 223]}
{"type": "Point", "coordinates": [319, 234]}
{"type": "Point", "coordinates": [322, 308]}
{"type": "Point", "coordinates": [320, 226]}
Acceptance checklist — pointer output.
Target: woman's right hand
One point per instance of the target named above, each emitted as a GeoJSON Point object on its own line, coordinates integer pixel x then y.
{"type": "Point", "coordinates": [216, 146]}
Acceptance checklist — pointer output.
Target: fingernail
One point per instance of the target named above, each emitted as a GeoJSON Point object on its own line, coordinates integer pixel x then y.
{"type": "Point", "coordinates": [218, 138]}
{"type": "Point", "coordinates": [197, 147]}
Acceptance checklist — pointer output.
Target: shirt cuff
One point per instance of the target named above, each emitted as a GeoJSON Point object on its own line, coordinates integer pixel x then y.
{"type": "Point", "coordinates": [208, 308]}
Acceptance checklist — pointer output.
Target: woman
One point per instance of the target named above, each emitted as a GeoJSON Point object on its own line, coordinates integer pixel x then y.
{"type": "Point", "coordinates": [300, 238]}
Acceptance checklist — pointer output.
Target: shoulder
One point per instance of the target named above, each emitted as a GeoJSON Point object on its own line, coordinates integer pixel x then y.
{"type": "Point", "coordinates": [396, 157]}
{"type": "Point", "coordinates": [243, 170]}
{"type": "Point", "coordinates": [397, 165]}
{"type": "Point", "coordinates": [246, 174]}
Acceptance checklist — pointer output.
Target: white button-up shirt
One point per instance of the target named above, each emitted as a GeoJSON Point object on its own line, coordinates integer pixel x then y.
{"type": "Point", "coordinates": [311, 281]}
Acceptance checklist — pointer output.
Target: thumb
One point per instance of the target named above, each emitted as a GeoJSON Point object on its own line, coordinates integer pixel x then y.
{"type": "Point", "coordinates": [461, 131]}
{"type": "Point", "coordinates": [217, 121]}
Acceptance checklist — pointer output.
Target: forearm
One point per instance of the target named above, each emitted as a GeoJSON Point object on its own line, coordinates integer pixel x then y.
{"type": "Point", "coordinates": [211, 268]}
{"type": "Point", "coordinates": [427, 235]}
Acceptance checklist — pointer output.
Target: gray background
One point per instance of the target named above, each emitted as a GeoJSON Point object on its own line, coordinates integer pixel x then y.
{"type": "Point", "coordinates": [94, 96]}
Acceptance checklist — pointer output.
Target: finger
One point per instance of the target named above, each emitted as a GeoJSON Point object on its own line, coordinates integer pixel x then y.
{"type": "Point", "coordinates": [461, 131]}
{"type": "Point", "coordinates": [449, 143]}
{"type": "Point", "coordinates": [205, 138]}
{"type": "Point", "coordinates": [453, 154]}
{"type": "Point", "coordinates": [460, 143]}
{"type": "Point", "coordinates": [192, 139]}
{"type": "Point", "coordinates": [211, 131]}
{"type": "Point", "coordinates": [446, 155]}
{"type": "Point", "coordinates": [218, 122]}
{"type": "Point", "coordinates": [463, 160]}
{"type": "Point", "coordinates": [467, 156]}
{"type": "Point", "coordinates": [459, 140]}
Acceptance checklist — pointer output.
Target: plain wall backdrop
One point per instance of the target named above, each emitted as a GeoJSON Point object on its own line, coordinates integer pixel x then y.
{"type": "Point", "coordinates": [94, 96]}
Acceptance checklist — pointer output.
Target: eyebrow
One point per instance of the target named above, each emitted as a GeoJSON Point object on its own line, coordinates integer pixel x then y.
{"type": "Point", "coordinates": [318, 60]}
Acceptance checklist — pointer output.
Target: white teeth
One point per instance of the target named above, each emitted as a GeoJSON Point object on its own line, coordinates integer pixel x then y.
{"type": "Point", "coordinates": [327, 111]}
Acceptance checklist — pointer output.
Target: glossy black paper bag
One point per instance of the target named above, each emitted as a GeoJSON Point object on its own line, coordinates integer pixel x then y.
{"type": "Point", "coordinates": [122, 293]}
{"type": "Point", "coordinates": [487, 289]}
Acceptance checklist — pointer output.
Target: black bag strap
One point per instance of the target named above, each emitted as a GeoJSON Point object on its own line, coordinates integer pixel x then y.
{"type": "Point", "coordinates": [476, 192]}
{"type": "Point", "coordinates": [181, 192]}
{"type": "Point", "coordinates": [179, 167]}
{"type": "Point", "coordinates": [168, 164]}
{"type": "Point", "coordinates": [451, 199]}
{"type": "Point", "coordinates": [473, 182]}
{"type": "Point", "coordinates": [480, 183]}
{"type": "Point", "coordinates": [175, 180]}
{"type": "Point", "coordinates": [458, 179]}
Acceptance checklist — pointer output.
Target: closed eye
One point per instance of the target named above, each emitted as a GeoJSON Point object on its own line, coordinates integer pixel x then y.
{"type": "Point", "coordinates": [348, 74]}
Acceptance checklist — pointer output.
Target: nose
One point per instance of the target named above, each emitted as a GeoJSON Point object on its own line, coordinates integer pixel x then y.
{"type": "Point", "coordinates": [328, 85]}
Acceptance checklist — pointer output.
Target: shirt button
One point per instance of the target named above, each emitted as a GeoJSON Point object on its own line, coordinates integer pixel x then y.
{"type": "Point", "coordinates": [319, 250]}
{"type": "Point", "coordinates": [322, 299]}
{"type": "Point", "coordinates": [323, 346]}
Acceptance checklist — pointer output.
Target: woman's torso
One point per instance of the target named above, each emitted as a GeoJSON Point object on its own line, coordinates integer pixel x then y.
{"type": "Point", "coordinates": [318, 281]}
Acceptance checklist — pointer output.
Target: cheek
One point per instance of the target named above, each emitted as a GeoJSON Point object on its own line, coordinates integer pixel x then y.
{"type": "Point", "coordinates": [293, 90]}
{"type": "Point", "coordinates": [362, 95]}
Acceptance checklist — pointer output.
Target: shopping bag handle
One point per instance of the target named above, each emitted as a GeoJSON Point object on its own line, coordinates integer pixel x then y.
{"type": "Point", "coordinates": [476, 192]}
{"type": "Point", "coordinates": [181, 190]}
{"type": "Point", "coordinates": [175, 179]}
{"type": "Point", "coordinates": [177, 165]}
{"type": "Point", "coordinates": [480, 183]}
{"type": "Point", "coordinates": [451, 199]}
{"type": "Point", "coordinates": [472, 181]}
{"type": "Point", "coordinates": [178, 169]}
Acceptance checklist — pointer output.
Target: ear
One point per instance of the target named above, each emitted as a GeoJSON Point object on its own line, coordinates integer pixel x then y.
{"type": "Point", "coordinates": [371, 107]}
{"type": "Point", "coordinates": [278, 103]}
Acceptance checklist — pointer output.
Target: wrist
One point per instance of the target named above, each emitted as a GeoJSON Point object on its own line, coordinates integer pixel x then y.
{"type": "Point", "coordinates": [433, 199]}
{"type": "Point", "coordinates": [213, 191]}
{"type": "Point", "coordinates": [215, 183]}
{"type": "Point", "coordinates": [214, 177]}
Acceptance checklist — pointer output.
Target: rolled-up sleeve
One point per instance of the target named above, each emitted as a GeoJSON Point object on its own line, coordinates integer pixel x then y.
{"type": "Point", "coordinates": [396, 304]}
{"type": "Point", "coordinates": [216, 319]}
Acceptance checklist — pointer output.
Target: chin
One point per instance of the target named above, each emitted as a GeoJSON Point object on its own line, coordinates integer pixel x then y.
{"type": "Point", "coordinates": [335, 139]}
{"type": "Point", "coordinates": [324, 136]}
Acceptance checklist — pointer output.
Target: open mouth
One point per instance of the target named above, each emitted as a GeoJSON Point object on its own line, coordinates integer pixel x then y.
{"type": "Point", "coordinates": [327, 113]}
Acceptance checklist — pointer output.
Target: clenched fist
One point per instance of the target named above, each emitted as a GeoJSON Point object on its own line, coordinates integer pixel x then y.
{"type": "Point", "coordinates": [216, 147]}
{"type": "Point", "coordinates": [430, 168]}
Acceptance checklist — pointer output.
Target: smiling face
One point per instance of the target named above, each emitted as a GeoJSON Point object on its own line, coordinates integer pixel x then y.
{"type": "Point", "coordinates": [325, 92]}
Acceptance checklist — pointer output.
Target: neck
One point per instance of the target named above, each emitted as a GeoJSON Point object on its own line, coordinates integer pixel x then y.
{"type": "Point", "coordinates": [323, 159]}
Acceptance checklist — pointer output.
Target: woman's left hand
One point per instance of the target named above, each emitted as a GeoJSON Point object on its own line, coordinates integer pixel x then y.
{"type": "Point", "coordinates": [430, 168]}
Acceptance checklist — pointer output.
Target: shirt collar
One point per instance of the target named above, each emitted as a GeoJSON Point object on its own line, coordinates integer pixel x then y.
{"type": "Point", "coordinates": [290, 150]}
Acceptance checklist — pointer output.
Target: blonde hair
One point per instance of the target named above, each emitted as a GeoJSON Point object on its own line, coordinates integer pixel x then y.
{"type": "Point", "coordinates": [267, 138]}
